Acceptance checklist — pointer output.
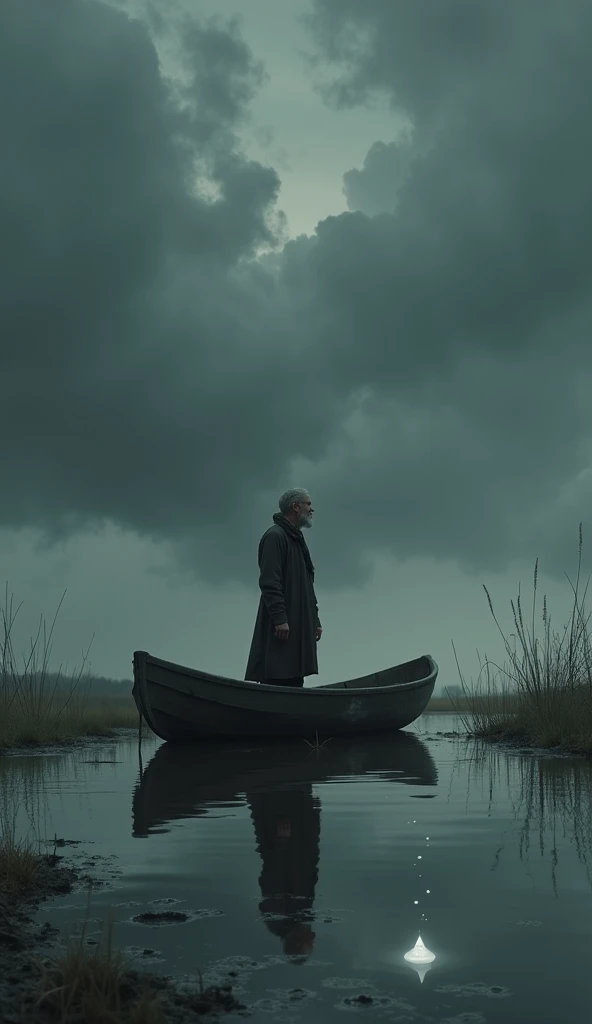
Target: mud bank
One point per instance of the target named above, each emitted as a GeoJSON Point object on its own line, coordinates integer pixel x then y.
{"type": "Point", "coordinates": [63, 746]}
{"type": "Point", "coordinates": [33, 989]}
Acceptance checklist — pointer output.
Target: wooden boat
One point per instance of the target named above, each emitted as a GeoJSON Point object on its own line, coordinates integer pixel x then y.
{"type": "Point", "coordinates": [183, 704]}
{"type": "Point", "coordinates": [185, 781]}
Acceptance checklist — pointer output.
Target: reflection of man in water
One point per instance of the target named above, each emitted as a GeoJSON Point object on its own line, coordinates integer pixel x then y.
{"type": "Point", "coordinates": [287, 828]}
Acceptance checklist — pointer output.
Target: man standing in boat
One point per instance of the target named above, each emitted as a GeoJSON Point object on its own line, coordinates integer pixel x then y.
{"type": "Point", "coordinates": [283, 649]}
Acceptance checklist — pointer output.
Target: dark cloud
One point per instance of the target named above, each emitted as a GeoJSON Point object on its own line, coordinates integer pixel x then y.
{"type": "Point", "coordinates": [375, 188]}
{"type": "Point", "coordinates": [421, 364]}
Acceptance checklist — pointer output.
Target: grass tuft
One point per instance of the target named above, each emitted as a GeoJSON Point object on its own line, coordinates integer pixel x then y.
{"type": "Point", "coordinates": [18, 857]}
{"type": "Point", "coordinates": [92, 986]}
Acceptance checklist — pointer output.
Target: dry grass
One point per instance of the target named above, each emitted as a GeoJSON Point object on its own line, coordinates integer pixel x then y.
{"type": "Point", "coordinates": [18, 864]}
{"type": "Point", "coordinates": [542, 694]}
{"type": "Point", "coordinates": [96, 986]}
{"type": "Point", "coordinates": [38, 707]}
{"type": "Point", "coordinates": [91, 986]}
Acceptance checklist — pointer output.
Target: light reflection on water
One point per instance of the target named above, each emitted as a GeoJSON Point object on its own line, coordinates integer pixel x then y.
{"type": "Point", "coordinates": [315, 871]}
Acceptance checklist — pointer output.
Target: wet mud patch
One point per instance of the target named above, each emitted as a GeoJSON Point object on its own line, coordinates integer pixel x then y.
{"type": "Point", "coordinates": [238, 969]}
{"type": "Point", "coordinates": [95, 871]}
{"type": "Point", "coordinates": [143, 955]}
{"type": "Point", "coordinates": [364, 995]}
{"type": "Point", "coordinates": [234, 965]}
{"type": "Point", "coordinates": [282, 1001]}
{"type": "Point", "coordinates": [474, 988]}
{"type": "Point", "coordinates": [60, 843]}
{"type": "Point", "coordinates": [293, 995]}
{"type": "Point", "coordinates": [158, 918]}
{"type": "Point", "coordinates": [285, 958]}
{"type": "Point", "coordinates": [365, 1001]}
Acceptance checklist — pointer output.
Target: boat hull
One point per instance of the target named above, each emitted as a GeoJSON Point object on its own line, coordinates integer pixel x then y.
{"type": "Point", "coordinates": [182, 704]}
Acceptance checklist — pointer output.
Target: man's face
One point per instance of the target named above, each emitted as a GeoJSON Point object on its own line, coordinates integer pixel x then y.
{"type": "Point", "coordinates": [304, 510]}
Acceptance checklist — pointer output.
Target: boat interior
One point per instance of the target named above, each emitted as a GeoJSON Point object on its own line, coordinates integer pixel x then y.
{"type": "Point", "coordinates": [408, 672]}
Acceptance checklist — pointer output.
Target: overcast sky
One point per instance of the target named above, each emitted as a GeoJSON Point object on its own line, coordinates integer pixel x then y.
{"type": "Point", "coordinates": [318, 243]}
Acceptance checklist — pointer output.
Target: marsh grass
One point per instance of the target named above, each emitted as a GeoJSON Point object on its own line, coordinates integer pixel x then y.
{"type": "Point", "coordinates": [91, 985]}
{"type": "Point", "coordinates": [37, 706]}
{"type": "Point", "coordinates": [18, 864]}
{"type": "Point", "coordinates": [18, 856]}
{"type": "Point", "coordinates": [542, 693]}
{"type": "Point", "coordinates": [95, 985]}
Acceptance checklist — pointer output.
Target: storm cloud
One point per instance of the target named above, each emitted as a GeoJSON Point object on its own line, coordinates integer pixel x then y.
{"type": "Point", "coordinates": [171, 362]}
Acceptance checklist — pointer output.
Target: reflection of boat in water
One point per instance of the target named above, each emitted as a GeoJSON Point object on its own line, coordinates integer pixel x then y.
{"type": "Point", "coordinates": [275, 781]}
{"type": "Point", "coordinates": [181, 781]}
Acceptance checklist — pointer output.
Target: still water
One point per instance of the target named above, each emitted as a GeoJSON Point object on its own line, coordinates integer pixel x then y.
{"type": "Point", "coordinates": [304, 875]}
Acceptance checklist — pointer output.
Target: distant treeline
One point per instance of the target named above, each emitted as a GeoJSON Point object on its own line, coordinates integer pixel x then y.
{"type": "Point", "coordinates": [99, 686]}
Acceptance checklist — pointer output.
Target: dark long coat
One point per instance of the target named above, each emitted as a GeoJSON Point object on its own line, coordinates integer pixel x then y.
{"type": "Point", "coordinates": [287, 595]}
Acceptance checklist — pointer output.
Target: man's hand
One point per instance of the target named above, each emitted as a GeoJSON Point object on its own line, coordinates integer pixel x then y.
{"type": "Point", "coordinates": [318, 632]}
{"type": "Point", "coordinates": [282, 631]}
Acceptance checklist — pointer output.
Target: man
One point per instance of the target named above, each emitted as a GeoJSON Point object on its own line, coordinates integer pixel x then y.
{"type": "Point", "coordinates": [283, 649]}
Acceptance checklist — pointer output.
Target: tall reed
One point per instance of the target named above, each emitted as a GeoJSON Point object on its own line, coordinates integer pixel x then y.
{"type": "Point", "coordinates": [39, 706]}
{"type": "Point", "coordinates": [542, 693]}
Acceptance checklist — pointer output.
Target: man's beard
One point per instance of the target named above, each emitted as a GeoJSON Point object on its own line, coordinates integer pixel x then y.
{"type": "Point", "coordinates": [305, 521]}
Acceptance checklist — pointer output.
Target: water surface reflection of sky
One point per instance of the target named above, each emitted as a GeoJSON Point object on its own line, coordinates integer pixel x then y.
{"type": "Point", "coordinates": [309, 874]}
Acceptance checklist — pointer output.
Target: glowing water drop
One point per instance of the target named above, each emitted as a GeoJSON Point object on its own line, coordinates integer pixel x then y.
{"type": "Point", "coordinates": [419, 954]}
{"type": "Point", "coordinates": [427, 890]}
{"type": "Point", "coordinates": [416, 902]}
{"type": "Point", "coordinates": [419, 858]}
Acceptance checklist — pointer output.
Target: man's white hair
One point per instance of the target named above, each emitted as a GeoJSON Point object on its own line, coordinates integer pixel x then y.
{"type": "Point", "coordinates": [289, 497]}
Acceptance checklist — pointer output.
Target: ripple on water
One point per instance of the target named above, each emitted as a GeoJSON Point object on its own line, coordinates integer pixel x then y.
{"type": "Point", "coordinates": [365, 1002]}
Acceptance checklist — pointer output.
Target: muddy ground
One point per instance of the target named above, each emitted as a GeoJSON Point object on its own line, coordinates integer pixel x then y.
{"type": "Point", "coordinates": [28, 964]}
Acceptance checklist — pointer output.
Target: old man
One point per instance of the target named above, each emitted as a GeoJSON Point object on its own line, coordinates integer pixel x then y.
{"type": "Point", "coordinates": [283, 649]}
